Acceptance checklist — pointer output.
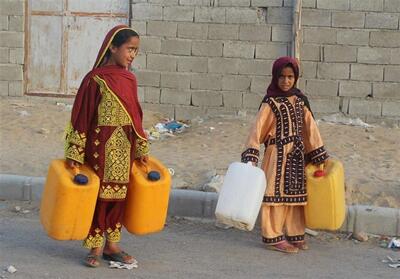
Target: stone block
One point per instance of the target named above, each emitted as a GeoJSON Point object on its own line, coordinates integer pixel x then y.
{"type": "Point", "coordinates": [271, 50]}
{"type": "Point", "coordinates": [386, 90]}
{"type": "Point", "coordinates": [333, 71]}
{"type": "Point", "coordinates": [223, 31]}
{"type": "Point", "coordinates": [241, 15]}
{"type": "Point", "coordinates": [16, 56]}
{"type": "Point", "coordinates": [311, 17]}
{"type": "Point", "coordinates": [12, 7]}
{"type": "Point", "coordinates": [207, 48]}
{"type": "Point", "coordinates": [365, 107]}
{"type": "Point", "coordinates": [266, 3]}
{"type": "Point", "coordinates": [252, 101]}
{"type": "Point", "coordinates": [152, 95]}
{"type": "Point", "coordinates": [315, 87]}
{"type": "Point", "coordinates": [16, 23]}
{"type": "Point", "coordinates": [11, 39]}
{"type": "Point", "coordinates": [193, 64]}
{"type": "Point", "coordinates": [175, 80]}
{"type": "Point", "coordinates": [385, 39]}
{"type": "Point", "coordinates": [352, 37]}
{"type": "Point", "coordinates": [146, 11]}
{"type": "Point", "coordinates": [348, 19]}
{"type": "Point", "coordinates": [366, 72]}
{"type": "Point", "coordinates": [147, 78]}
{"type": "Point", "coordinates": [310, 52]}
{"type": "Point", "coordinates": [161, 62]}
{"type": "Point", "coordinates": [238, 49]}
{"type": "Point", "coordinates": [320, 35]}
{"type": "Point", "coordinates": [192, 30]}
{"type": "Point", "coordinates": [232, 99]}
{"type": "Point", "coordinates": [139, 26]}
{"type": "Point", "coordinates": [382, 21]}
{"type": "Point", "coordinates": [255, 67]}
{"type": "Point", "coordinates": [392, 73]}
{"type": "Point", "coordinates": [150, 44]}
{"type": "Point", "coordinates": [333, 5]}
{"type": "Point", "coordinates": [366, 5]}
{"type": "Point", "coordinates": [188, 113]}
{"type": "Point", "coordinates": [281, 34]}
{"type": "Point", "coordinates": [254, 33]}
{"type": "Point", "coordinates": [175, 97]}
{"type": "Point", "coordinates": [223, 65]}
{"type": "Point", "coordinates": [179, 13]}
{"type": "Point", "coordinates": [308, 69]}
{"type": "Point", "coordinates": [339, 53]}
{"type": "Point", "coordinates": [392, 6]}
{"type": "Point", "coordinates": [355, 89]}
{"type": "Point", "coordinates": [11, 72]}
{"type": "Point", "coordinates": [162, 28]}
{"type": "Point", "coordinates": [176, 46]}
{"type": "Point", "coordinates": [16, 88]}
{"type": "Point", "coordinates": [206, 82]}
{"type": "Point", "coordinates": [209, 14]}
{"type": "Point", "coordinates": [165, 110]}
{"type": "Point", "coordinates": [259, 84]}
{"type": "Point", "coordinates": [235, 83]}
{"type": "Point", "coordinates": [391, 109]}
{"type": "Point", "coordinates": [325, 105]}
{"type": "Point", "coordinates": [4, 55]}
{"type": "Point", "coordinates": [371, 55]}
{"type": "Point", "coordinates": [234, 3]}
{"type": "Point", "coordinates": [279, 15]}
{"type": "Point", "coordinates": [205, 98]}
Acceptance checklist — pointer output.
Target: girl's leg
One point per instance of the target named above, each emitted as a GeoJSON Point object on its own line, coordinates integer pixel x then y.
{"type": "Point", "coordinates": [295, 226]}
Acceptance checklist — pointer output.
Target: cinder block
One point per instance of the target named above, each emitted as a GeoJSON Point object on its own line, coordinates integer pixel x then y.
{"type": "Point", "coordinates": [165, 110]}
{"type": "Point", "coordinates": [209, 14]}
{"type": "Point", "coordinates": [252, 101]}
{"type": "Point", "coordinates": [206, 3]}
{"type": "Point", "coordinates": [164, 2]}
{"type": "Point", "coordinates": [188, 113]}
{"type": "Point", "coordinates": [204, 98]}
{"type": "Point", "coordinates": [386, 90]}
{"type": "Point", "coordinates": [192, 30]}
{"type": "Point", "coordinates": [150, 44]}
{"type": "Point", "coordinates": [325, 105]}
{"type": "Point", "coordinates": [207, 48]}
{"type": "Point", "coordinates": [392, 73]}
{"type": "Point", "coordinates": [3, 23]}
{"type": "Point", "coordinates": [162, 28]}
{"type": "Point", "coordinates": [238, 49]}
{"type": "Point", "coordinates": [147, 78]}
{"type": "Point", "coordinates": [193, 64]}
{"type": "Point", "coordinates": [333, 70]}
{"type": "Point", "coordinates": [333, 5]}
{"type": "Point", "coordinates": [232, 99]}
{"type": "Point", "coordinates": [146, 11]}
{"type": "Point", "coordinates": [366, 5]}
{"type": "Point", "coordinates": [223, 32]}
{"type": "Point", "coordinates": [11, 72]}
{"type": "Point", "coordinates": [288, 3]}
{"type": "Point", "coordinates": [139, 26]}
{"type": "Point", "coordinates": [259, 84]}
{"type": "Point", "coordinates": [175, 97]}
{"type": "Point", "coordinates": [395, 56]}
{"type": "Point", "coordinates": [309, 3]}
{"type": "Point", "coordinates": [308, 69]}
{"type": "Point", "coordinates": [16, 23]}
{"type": "Point", "coordinates": [391, 109]}
{"type": "Point", "coordinates": [322, 87]}
{"type": "Point", "coordinates": [319, 35]}
{"type": "Point", "coordinates": [17, 55]}
{"type": "Point", "coordinates": [234, 3]}
{"type": "Point", "coordinates": [179, 13]}
{"type": "Point", "coordinates": [392, 6]}
{"type": "Point", "coordinates": [339, 53]}
{"type": "Point", "coordinates": [310, 52]}
{"type": "Point", "coordinates": [382, 21]}
{"type": "Point", "coordinates": [352, 37]}
{"type": "Point", "coordinates": [12, 7]}
{"type": "Point", "coordinates": [373, 55]}
{"type": "Point", "coordinates": [279, 15]}
{"type": "Point", "coordinates": [175, 80]}
{"type": "Point", "coordinates": [366, 72]}
{"type": "Point", "coordinates": [385, 38]}
{"type": "Point", "coordinates": [311, 17]}
{"type": "Point", "coordinates": [223, 65]}
{"type": "Point", "coordinates": [355, 88]}
{"type": "Point", "coordinates": [176, 46]}
{"type": "Point", "coordinates": [206, 82]}
{"type": "Point", "coordinates": [281, 34]}
{"type": "Point", "coordinates": [4, 55]}
{"type": "Point", "coordinates": [140, 93]}
{"type": "Point", "coordinates": [161, 62]}
{"type": "Point", "coordinates": [241, 15]}
{"type": "Point", "coordinates": [364, 107]}
{"type": "Point", "coordinates": [301, 84]}
{"type": "Point", "coordinates": [254, 33]}
{"type": "Point", "coordinates": [140, 62]}
{"type": "Point", "coordinates": [266, 3]}
{"type": "Point", "coordinates": [255, 67]}
{"type": "Point", "coordinates": [15, 88]}
{"type": "Point", "coordinates": [235, 83]}
{"type": "Point", "coordinates": [348, 19]}
{"type": "Point", "coordinates": [3, 88]}
{"type": "Point", "coordinates": [152, 95]}
{"type": "Point", "coordinates": [11, 39]}
{"type": "Point", "coordinates": [271, 50]}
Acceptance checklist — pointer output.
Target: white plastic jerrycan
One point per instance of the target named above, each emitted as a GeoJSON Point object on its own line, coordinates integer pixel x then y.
{"type": "Point", "coordinates": [241, 196]}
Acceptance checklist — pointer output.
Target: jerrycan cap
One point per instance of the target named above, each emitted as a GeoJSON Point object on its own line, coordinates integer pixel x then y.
{"type": "Point", "coordinates": [319, 173]}
{"type": "Point", "coordinates": [81, 179]}
{"type": "Point", "coordinates": [153, 176]}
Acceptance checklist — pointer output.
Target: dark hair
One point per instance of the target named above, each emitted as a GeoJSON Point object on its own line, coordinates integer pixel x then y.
{"type": "Point", "coordinates": [120, 38]}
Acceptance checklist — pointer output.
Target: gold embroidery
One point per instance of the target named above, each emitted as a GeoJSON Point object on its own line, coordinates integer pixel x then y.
{"type": "Point", "coordinates": [74, 137]}
{"type": "Point", "coordinates": [96, 167]}
{"type": "Point", "coordinates": [141, 148]}
{"type": "Point", "coordinates": [114, 235]}
{"type": "Point", "coordinates": [96, 155]}
{"type": "Point", "coordinates": [110, 193]}
{"type": "Point", "coordinates": [97, 130]}
{"type": "Point", "coordinates": [75, 153]}
{"type": "Point", "coordinates": [94, 241]}
{"type": "Point", "coordinates": [117, 163]}
{"type": "Point", "coordinates": [96, 142]}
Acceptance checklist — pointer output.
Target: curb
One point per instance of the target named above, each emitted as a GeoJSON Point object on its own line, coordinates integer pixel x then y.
{"type": "Point", "coordinates": [191, 203]}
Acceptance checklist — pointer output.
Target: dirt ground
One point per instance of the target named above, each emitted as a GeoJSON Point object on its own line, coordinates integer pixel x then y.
{"type": "Point", "coordinates": [31, 135]}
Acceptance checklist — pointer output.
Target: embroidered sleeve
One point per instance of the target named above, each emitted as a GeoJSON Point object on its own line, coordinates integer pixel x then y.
{"type": "Point", "coordinates": [250, 155]}
{"type": "Point", "coordinates": [141, 148]}
{"type": "Point", "coordinates": [75, 143]}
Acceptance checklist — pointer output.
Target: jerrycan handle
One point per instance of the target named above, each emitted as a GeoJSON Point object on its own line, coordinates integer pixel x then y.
{"type": "Point", "coordinates": [79, 178]}
{"type": "Point", "coordinates": [320, 172]}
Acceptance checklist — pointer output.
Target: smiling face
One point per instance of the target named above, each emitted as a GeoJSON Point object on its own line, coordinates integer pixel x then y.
{"type": "Point", "coordinates": [286, 79]}
{"type": "Point", "coordinates": [124, 54]}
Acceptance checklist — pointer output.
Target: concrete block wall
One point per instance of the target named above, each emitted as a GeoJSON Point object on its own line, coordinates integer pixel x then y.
{"type": "Point", "coordinates": [11, 47]}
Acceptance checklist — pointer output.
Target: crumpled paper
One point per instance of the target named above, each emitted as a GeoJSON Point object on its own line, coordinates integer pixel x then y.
{"type": "Point", "coordinates": [120, 265]}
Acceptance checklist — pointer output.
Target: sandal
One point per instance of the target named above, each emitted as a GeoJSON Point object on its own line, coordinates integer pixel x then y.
{"type": "Point", "coordinates": [119, 257]}
{"type": "Point", "coordinates": [92, 260]}
{"type": "Point", "coordinates": [284, 247]}
{"type": "Point", "coordinates": [302, 245]}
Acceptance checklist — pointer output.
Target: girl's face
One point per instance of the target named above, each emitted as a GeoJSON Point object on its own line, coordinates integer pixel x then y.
{"type": "Point", "coordinates": [124, 54]}
{"type": "Point", "coordinates": [286, 79]}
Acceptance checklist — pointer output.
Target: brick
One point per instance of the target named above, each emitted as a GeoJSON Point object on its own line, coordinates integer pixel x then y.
{"type": "Point", "coordinates": [11, 72]}
{"type": "Point", "coordinates": [161, 62]}
{"type": "Point", "coordinates": [391, 109]}
{"type": "Point", "coordinates": [235, 83]}
{"type": "Point", "coordinates": [223, 32]}
{"type": "Point", "coordinates": [238, 49]}
{"type": "Point", "coordinates": [309, 4]}
{"type": "Point", "coordinates": [348, 19]}
{"type": "Point", "coordinates": [311, 17]}
{"type": "Point", "coordinates": [392, 6]}
{"type": "Point", "coordinates": [325, 105]}
{"type": "Point", "coordinates": [192, 30]}
{"type": "Point", "coordinates": [3, 23]}
{"type": "Point", "coordinates": [254, 33]}
{"type": "Point", "coordinates": [385, 38]}
{"type": "Point", "coordinates": [175, 97]}
{"type": "Point", "coordinates": [279, 16]}
{"type": "Point", "coordinates": [152, 95]}
{"type": "Point", "coordinates": [15, 88]}
{"type": "Point", "coordinates": [165, 110]}
{"type": "Point", "coordinates": [139, 26]}
{"type": "Point", "coordinates": [365, 107]}
{"type": "Point", "coordinates": [259, 84]}
{"type": "Point", "coordinates": [212, 15]}
{"type": "Point", "coordinates": [266, 3]}
{"type": "Point", "coordinates": [255, 67]}
{"type": "Point", "coordinates": [308, 69]}
{"type": "Point", "coordinates": [179, 13]}
{"type": "Point", "coordinates": [271, 50]}
{"type": "Point", "coordinates": [310, 52]}
{"type": "Point", "coordinates": [333, 70]}
{"type": "Point", "coordinates": [392, 73]}
{"type": "Point", "coordinates": [252, 101]}
{"type": "Point", "coordinates": [322, 87]}
{"type": "Point", "coordinates": [381, 21]}
{"type": "Point", "coordinates": [11, 39]}
{"type": "Point", "coordinates": [145, 11]}
{"type": "Point", "coordinates": [193, 64]}
{"type": "Point", "coordinates": [366, 5]}
{"type": "Point", "coordinates": [150, 44]}
{"type": "Point", "coordinates": [206, 82]}
{"type": "Point", "coordinates": [17, 56]}
{"type": "Point", "coordinates": [366, 72]}
{"type": "Point", "coordinates": [207, 48]}
{"type": "Point", "coordinates": [281, 34]}
{"type": "Point", "coordinates": [234, 3]}
{"type": "Point", "coordinates": [12, 7]}
{"type": "Point", "coordinates": [320, 35]}
{"type": "Point", "coordinates": [3, 88]}
{"type": "Point", "coordinates": [386, 90]}
{"type": "Point", "coordinates": [352, 37]}
{"type": "Point", "coordinates": [241, 15]}
{"type": "Point", "coordinates": [162, 28]}
{"type": "Point", "coordinates": [355, 88]}
{"type": "Point", "coordinates": [232, 99]}
{"type": "Point", "coordinates": [395, 56]}
{"type": "Point", "coordinates": [223, 65]}
{"type": "Point", "coordinates": [175, 80]}
{"type": "Point", "coordinates": [4, 55]}
{"type": "Point", "coordinates": [176, 46]}
{"type": "Point", "coordinates": [373, 55]}
{"type": "Point", "coordinates": [333, 5]}
{"type": "Point", "coordinates": [16, 23]}
{"type": "Point", "coordinates": [340, 54]}
{"type": "Point", "coordinates": [206, 98]}
{"type": "Point", "coordinates": [147, 78]}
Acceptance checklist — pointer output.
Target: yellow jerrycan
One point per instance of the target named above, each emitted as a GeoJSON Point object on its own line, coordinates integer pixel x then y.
{"type": "Point", "coordinates": [68, 201]}
{"type": "Point", "coordinates": [326, 207]}
{"type": "Point", "coordinates": [147, 199]}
